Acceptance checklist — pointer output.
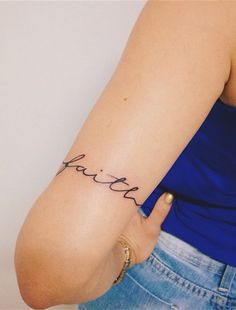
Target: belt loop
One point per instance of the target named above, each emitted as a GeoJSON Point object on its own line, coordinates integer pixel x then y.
{"type": "Point", "coordinates": [227, 279]}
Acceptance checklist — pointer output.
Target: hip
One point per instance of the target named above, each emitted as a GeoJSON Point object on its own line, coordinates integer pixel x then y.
{"type": "Point", "coordinates": [176, 276]}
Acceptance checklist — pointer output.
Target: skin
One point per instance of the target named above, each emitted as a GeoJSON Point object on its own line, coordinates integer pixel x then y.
{"type": "Point", "coordinates": [73, 163]}
{"type": "Point", "coordinates": [180, 57]}
{"type": "Point", "coordinates": [142, 235]}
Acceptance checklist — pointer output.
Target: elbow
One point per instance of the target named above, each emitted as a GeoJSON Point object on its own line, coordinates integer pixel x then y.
{"type": "Point", "coordinates": [31, 281]}
{"type": "Point", "coordinates": [48, 278]}
{"type": "Point", "coordinates": [32, 302]}
{"type": "Point", "coordinates": [31, 299]}
{"type": "Point", "coordinates": [35, 299]}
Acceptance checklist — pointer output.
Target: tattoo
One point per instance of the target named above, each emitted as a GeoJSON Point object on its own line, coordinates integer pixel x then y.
{"type": "Point", "coordinates": [72, 164]}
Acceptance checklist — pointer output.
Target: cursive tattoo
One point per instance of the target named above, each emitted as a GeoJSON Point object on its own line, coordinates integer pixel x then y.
{"type": "Point", "coordinates": [73, 164]}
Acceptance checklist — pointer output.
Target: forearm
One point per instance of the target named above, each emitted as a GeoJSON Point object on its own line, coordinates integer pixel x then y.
{"type": "Point", "coordinates": [104, 276]}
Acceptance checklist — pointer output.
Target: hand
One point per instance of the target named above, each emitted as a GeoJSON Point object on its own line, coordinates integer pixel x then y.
{"type": "Point", "coordinates": [142, 233]}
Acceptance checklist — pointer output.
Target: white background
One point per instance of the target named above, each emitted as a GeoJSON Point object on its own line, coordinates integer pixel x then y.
{"type": "Point", "coordinates": [55, 59]}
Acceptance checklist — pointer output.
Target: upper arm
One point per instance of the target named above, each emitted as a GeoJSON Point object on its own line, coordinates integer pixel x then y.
{"type": "Point", "coordinates": [173, 68]}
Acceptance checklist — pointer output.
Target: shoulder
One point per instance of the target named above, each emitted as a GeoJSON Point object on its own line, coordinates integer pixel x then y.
{"type": "Point", "coordinates": [193, 19]}
{"type": "Point", "coordinates": [217, 18]}
{"type": "Point", "coordinates": [183, 37]}
{"type": "Point", "coordinates": [176, 37]}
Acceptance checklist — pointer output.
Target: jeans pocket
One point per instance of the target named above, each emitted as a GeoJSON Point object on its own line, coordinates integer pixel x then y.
{"type": "Point", "coordinates": [145, 278]}
{"type": "Point", "coordinates": [129, 294]}
{"type": "Point", "coordinates": [180, 281]}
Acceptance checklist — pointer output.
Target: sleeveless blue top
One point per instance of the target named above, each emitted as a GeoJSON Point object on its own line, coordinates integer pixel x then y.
{"type": "Point", "coordinates": [203, 181]}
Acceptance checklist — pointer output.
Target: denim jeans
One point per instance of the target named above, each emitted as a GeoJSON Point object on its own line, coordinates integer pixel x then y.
{"type": "Point", "coordinates": [176, 276]}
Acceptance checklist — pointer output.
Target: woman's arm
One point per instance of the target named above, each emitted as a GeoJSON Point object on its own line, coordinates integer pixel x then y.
{"type": "Point", "coordinates": [142, 234]}
{"type": "Point", "coordinates": [103, 276]}
{"type": "Point", "coordinates": [173, 68]}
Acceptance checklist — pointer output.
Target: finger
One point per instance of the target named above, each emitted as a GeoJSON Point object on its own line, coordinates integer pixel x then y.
{"type": "Point", "coordinates": [161, 209]}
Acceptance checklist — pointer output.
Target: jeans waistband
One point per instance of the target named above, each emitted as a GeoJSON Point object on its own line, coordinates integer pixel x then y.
{"type": "Point", "coordinates": [190, 254]}
{"type": "Point", "coordinates": [186, 252]}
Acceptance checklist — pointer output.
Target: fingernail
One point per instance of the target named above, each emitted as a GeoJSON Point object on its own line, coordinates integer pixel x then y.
{"type": "Point", "coordinates": [169, 198]}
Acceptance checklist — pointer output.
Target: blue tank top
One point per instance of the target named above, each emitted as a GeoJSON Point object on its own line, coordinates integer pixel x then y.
{"type": "Point", "coordinates": [203, 181]}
